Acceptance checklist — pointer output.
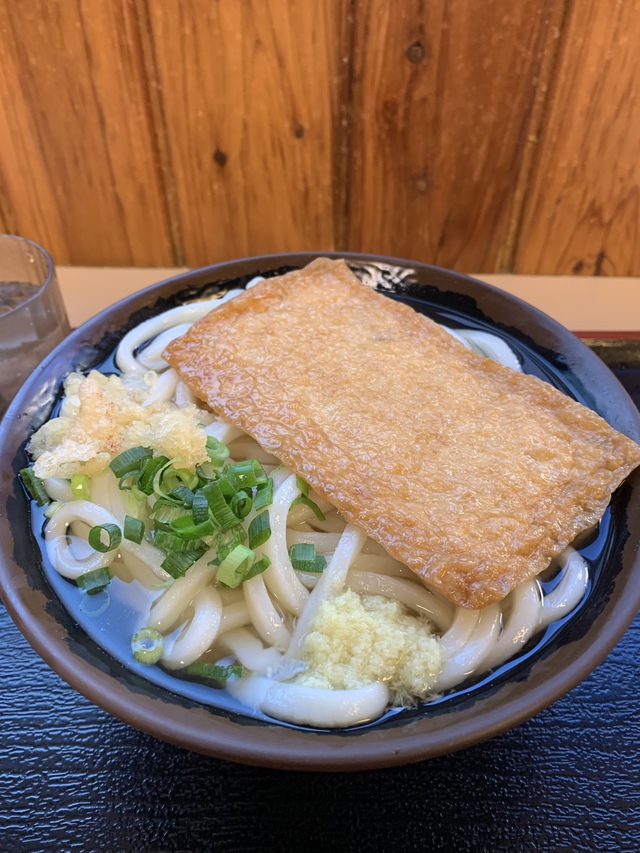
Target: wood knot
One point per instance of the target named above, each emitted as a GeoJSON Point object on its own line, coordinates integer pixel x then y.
{"type": "Point", "coordinates": [220, 157]}
{"type": "Point", "coordinates": [415, 52]}
{"type": "Point", "coordinates": [298, 131]}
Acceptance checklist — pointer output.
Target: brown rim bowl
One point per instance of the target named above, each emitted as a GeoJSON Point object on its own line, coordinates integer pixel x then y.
{"type": "Point", "coordinates": [538, 679]}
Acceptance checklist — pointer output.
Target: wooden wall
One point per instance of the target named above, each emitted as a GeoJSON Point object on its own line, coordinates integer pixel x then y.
{"type": "Point", "coordinates": [482, 135]}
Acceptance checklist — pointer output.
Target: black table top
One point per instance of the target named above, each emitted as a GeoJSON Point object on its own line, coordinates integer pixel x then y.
{"type": "Point", "coordinates": [72, 778]}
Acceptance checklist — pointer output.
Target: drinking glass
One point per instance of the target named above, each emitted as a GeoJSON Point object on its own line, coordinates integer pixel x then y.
{"type": "Point", "coordinates": [32, 315]}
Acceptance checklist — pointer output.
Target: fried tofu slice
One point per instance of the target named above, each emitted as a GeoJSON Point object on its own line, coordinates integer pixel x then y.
{"type": "Point", "coordinates": [473, 475]}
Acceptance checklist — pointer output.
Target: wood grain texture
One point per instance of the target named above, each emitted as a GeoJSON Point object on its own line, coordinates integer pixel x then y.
{"type": "Point", "coordinates": [78, 168]}
{"type": "Point", "coordinates": [583, 209]}
{"type": "Point", "coordinates": [250, 92]}
{"type": "Point", "coordinates": [444, 95]}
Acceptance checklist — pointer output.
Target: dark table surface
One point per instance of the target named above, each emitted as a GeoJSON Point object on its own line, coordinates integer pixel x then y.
{"type": "Point", "coordinates": [72, 778]}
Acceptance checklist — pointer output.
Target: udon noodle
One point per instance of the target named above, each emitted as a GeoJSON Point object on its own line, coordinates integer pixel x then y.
{"type": "Point", "coordinates": [262, 624]}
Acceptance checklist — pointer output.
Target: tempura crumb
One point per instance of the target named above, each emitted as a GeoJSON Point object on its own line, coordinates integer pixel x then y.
{"type": "Point", "coordinates": [103, 415]}
{"type": "Point", "coordinates": [356, 639]}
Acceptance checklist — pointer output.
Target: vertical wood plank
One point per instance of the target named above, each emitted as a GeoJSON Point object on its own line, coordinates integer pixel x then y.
{"type": "Point", "coordinates": [250, 93]}
{"type": "Point", "coordinates": [78, 163]}
{"type": "Point", "coordinates": [444, 100]}
{"type": "Point", "coordinates": [583, 209]}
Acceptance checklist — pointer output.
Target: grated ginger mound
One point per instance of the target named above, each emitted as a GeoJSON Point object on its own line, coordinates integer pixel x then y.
{"type": "Point", "coordinates": [103, 415]}
{"type": "Point", "coordinates": [355, 640]}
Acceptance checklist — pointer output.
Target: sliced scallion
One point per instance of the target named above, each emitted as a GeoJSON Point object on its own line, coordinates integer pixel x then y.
{"type": "Point", "coordinates": [52, 509]}
{"type": "Point", "coordinates": [130, 460]}
{"type": "Point", "coordinates": [188, 478]}
{"type": "Point", "coordinates": [305, 501]}
{"type": "Point", "coordinates": [218, 505]}
{"type": "Point", "coordinates": [199, 507]}
{"type": "Point", "coordinates": [232, 569]}
{"type": "Point", "coordinates": [216, 451]}
{"type": "Point", "coordinates": [302, 485]}
{"type": "Point", "coordinates": [147, 646]}
{"type": "Point", "coordinates": [133, 529]}
{"type": "Point", "coordinates": [248, 473]}
{"type": "Point", "coordinates": [257, 568]}
{"type": "Point", "coordinates": [95, 581]}
{"type": "Point", "coordinates": [169, 542]}
{"type": "Point", "coordinates": [34, 486]}
{"type": "Point", "coordinates": [303, 558]}
{"type": "Point", "coordinates": [201, 669]}
{"type": "Point", "coordinates": [177, 563]}
{"type": "Point", "coordinates": [184, 528]}
{"type": "Point", "coordinates": [80, 487]}
{"type": "Point", "coordinates": [183, 494]}
{"type": "Point", "coordinates": [241, 504]}
{"type": "Point", "coordinates": [114, 537]}
{"type": "Point", "coordinates": [149, 471]}
{"type": "Point", "coordinates": [264, 494]}
{"type": "Point", "coordinates": [259, 530]}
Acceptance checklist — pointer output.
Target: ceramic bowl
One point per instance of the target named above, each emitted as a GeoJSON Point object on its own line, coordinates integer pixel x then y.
{"type": "Point", "coordinates": [544, 672]}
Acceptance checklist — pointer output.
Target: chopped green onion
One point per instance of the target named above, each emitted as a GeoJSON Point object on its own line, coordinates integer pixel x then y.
{"type": "Point", "coordinates": [133, 529]}
{"type": "Point", "coordinates": [227, 484]}
{"type": "Point", "coordinates": [80, 487]}
{"type": "Point", "coordinates": [147, 646]}
{"type": "Point", "coordinates": [305, 501]}
{"type": "Point", "coordinates": [184, 494]}
{"type": "Point", "coordinates": [52, 509]}
{"type": "Point", "coordinates": [149, 471]}
{"type": "Point", "coordinates": [34, 486]}
{"type": "Point", "coordinates": [218, 505]}
{"type": "Point", "coordinates": [303, 486]}
{"type": "Point", "coordinates": [199, 507]}
{"type": "Point", "coordinates": [232, 569]}
{"type": "Point", "coordinates": [248, 473]}
{"type": "Point", "coordinates": [169, 542]}
{"type": "Point", "coordinates": [114, 537]}
{"type": "Point", "coordinates": [177, 563]}
{"type": "Point", "coordinates": [257, 568]}
{"type": "Point", "coordinates": [175, 485]}
{"type": "Point", "coordinates": [211, 670]}
{"type": "Point", "coordinates": [241, 504]}
{"type": "Point", "coordinates": [164, 514]}
{"type": "Point", "coordinates": [184, 528]}
{"type": "Point", "coordinates": [188, 478]}
{"type": "Point", "coordinates": [130, 460]}
{"type": "Point", "coordinates": [95, 581]}
{"type": "Point", "coordinates": [303, 558]}
{"type": "Point", "coordinates": [216, 451]}
{"type": "Point", "coordinates": [226, 542]}
{"type": "Point", "coordinates": [259, 530]}
{"type": "Point", "coordinates": [264, 494]}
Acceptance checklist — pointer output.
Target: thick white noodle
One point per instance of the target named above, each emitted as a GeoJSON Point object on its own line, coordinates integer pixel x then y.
{"type": "Point", "coordinates": [223, 431]}
{"type": "Point", "coordinates": [469, 657]}
{"type": "Point", "coordinates": [310, 706]}
{"type": "Point", "coordinates": [151, 356]}
{"type": "Point", "coordinates": [569, 591]}
{"type": "Point", "coordinates": [265, 618]}
{"type": "Point", "coordinates": [162, 391]}
{"type": "Point", "coordinates": [58, 489]}
{"type": "Point", "coordinates": [250, 652]}
{"type": "Point", "coordinates": [280, 577]}
{"type": "Point", "coordinates": [413, 595]}
{"type": "Point", "coordinates": [168, 607]}
{"type": "Point", "coordinates": [199, 632]}
{"type": "Point", "coordinates": [235, 615]}
{"type": "Point", "coordinates": [519, 626]}
{"type": "Point", "coordinates": [184, 396]}
{"type": "Point", "coordinates": [183, 314]}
